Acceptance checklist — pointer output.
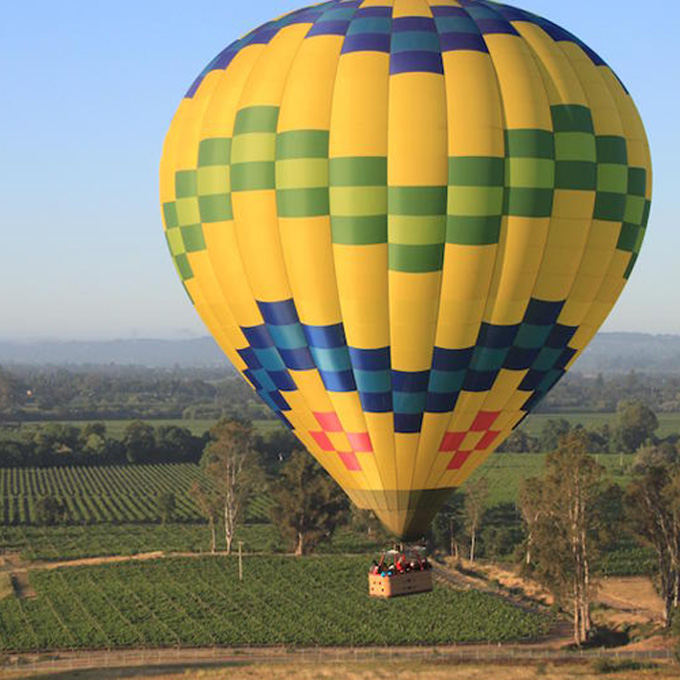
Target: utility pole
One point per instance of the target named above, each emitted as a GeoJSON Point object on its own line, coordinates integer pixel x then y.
{"type": "Point", "coordinates": [240, 561]}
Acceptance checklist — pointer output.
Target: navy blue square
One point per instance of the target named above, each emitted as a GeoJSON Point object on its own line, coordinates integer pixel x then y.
{"type": "Point", "coordinates": [299, 359]}
{"type": "Point", "coordinates": [451, 42]}
{"type": "Point", "coordinates": [250, 358]}
{"type": "Point", "coordinates": [519, 358]}
{"type": "Point", "coordinates": [282, 380]}
{"type": "Point", "coordinates": [257, 336]}
{"type": "Point", "coordinates": [496, 337]}
{"type": "Point", "coordinates": [338, 381]}
{"type": "Point", "coordinates": [408, 423]}
{"type": "Point", "coordinates": [401, 24]}
{"type": "Point", "coordinates": [328, 28]}
{"type": "Point", "coordinates": [416, 62]}
{"type": "Point", "coordinates": [560, 336]}
{"type": "Point", "coordinates": [479, 381]}
{"type": "Point", "coordinates": [370, 359]}
{"type": "Point", "coordinates": [543, 313]}
{"type": "Point", "coordinates": [451, 359]}
{"type": "Point", "coordinates": [367, 42]}
{"type": "Point", "coordinates": [441, 403]}
{"type": "Point", "coordinates": [281, 313]}
{"type": "Point", "coordinates": [279, 401]}
{"type": "Point", "coordinates": [487, 26]}
{"type": "Point", "coordinates": [325, 337]}
{"type": "Point", "coordinates": [406, 381]}
{"type": "Point", "coordinates": [532, 380]}
{"type": "Point", "coordinates": [376, 402]}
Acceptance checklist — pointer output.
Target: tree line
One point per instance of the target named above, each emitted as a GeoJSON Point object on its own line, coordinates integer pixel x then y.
{"type": "Point", "coordinates": [635, 425]}
{"type": "Point", "coordinates": [29, 393]}
{"type": "Point", "coordinates": [58, 444]}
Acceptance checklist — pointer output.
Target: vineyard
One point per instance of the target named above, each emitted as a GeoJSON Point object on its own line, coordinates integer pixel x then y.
{"type": "Point", "coordinates": [102, 494]}
{"type": "Point", "coordinates": [102, 540]}
{"type": "Point", "coordinates": [281, 601]}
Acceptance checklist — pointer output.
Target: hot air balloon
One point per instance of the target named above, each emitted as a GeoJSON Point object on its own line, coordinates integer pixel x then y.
{"type": "Point", "coordinates": [403, 221]}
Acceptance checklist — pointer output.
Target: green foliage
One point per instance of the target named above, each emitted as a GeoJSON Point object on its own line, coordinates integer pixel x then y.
{"type": "Point", "coordinates": [102, 494]}
{"type": "Point", "coordinates": [281, 601]}
{"type": "Point", "coordinates": [309, 504]}
{"type": "Point", "coordinates": [166, 504]}
{"type": "Point", "coordinates": [49, 510]}
{"type": "Point", "coordinates": [636, 425]}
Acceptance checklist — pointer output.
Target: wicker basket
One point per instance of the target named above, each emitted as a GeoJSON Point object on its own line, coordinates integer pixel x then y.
{"type": "Point", "coordinates": [410, 583]}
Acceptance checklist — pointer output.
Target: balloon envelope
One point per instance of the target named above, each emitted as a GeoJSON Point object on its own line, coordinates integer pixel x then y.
{"type": "Point", "coordinates": [403, 221]}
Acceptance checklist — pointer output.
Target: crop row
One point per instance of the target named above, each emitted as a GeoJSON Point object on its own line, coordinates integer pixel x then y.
{"type": "Point", "coordinates": [282, 600]}
{"type": "Point", "coordinates": [97, 494]}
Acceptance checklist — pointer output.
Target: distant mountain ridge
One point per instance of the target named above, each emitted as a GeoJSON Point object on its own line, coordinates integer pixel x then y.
{"type": "Point", "coordinates": [190, 353]}
{"type": "Point", "coordinates": [608, 353]}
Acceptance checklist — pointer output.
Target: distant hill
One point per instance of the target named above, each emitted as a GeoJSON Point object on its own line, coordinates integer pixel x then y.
{"type": "Point", "coordinates": [608, 353]}
{"type": "Point", "coordinates": [624, 352]}
{"type": "Point", "coordinates": [194, 353]}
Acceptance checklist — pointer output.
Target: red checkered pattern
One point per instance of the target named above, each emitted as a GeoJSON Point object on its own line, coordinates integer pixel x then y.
{"type": "Point", "coordinates": [453, 441]}
{"type": "Point", "coordinates": [359, 441]}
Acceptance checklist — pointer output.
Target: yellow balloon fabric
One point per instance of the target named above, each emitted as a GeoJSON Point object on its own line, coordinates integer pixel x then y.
{"type": "Point", "coordinates": [403, 221]}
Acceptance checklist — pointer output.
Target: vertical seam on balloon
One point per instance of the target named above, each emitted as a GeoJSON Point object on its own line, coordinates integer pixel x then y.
{"type": "Point", "coordinates": [535, 59]}
{"type": "Point", "coordinates": [283, 259]}
{"type": "Point", "coordinates": [433, 455]}
{"type": "Point", "coordinates": [497, 256]}
{"type": "Point", "coordinates": [577, 75]}
{"type": "Point", "coordinates": [380, 491]}
{"type": "Point", "coordinates": [238, 246]}
{"type": "Point", "coordinates": [362, 471]}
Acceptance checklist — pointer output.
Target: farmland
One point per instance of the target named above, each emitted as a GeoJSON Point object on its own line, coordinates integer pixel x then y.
{"type": "Point", "coordinates": [101, 494]}
{"type": "Point", "coordinates": [282, 600]}
{"type": "Point", "coordinates": [505, 472]}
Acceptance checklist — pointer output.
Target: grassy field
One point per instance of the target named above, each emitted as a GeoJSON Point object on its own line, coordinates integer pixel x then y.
{"type": "Point", "coordinates": [281, 601]}
{"type": "Point", "coordinates": [506, 471]}
{"type": "Point", "coordinates": [669, 423]}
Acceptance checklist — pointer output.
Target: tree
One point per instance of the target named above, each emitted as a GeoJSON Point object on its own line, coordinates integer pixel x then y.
{"type": "Point", "coordinates": [636, 424]}
{"type": "Point", "coordinates": [49, 510]}
{"type": "Point", "coordinates": [229, 460]}
{"type": "Point", "coordinates": [531, 505]}
{"type": "Point", "coordinates": [476, 494]}
{"type": "Point", "coordinates": [653, 511]}
{"type": "Point", "coordinates": [552, 431]}
{"type": "Point", "coordinates": [139, 441]}
{"type": "Point", "coordinates": [166, 505]}
{"type": "Point", "coordinates": [209, 505]}
{"type": "Point", "coordinates": [309, 505]}
{"type": "Point", "coordinates": [563, 514]}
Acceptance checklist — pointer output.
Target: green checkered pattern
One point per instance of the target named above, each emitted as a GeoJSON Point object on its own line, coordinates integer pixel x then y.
{"type": "Point", "coordinates": [358, 200]}
{"type": "Point", "coordinates": [416, 222]}
{"type": "Point", "coordinates": [202, 196]}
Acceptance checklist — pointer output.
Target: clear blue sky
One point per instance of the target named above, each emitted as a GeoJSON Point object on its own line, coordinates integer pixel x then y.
{"type": "Point", "coordinates": [89, 89]}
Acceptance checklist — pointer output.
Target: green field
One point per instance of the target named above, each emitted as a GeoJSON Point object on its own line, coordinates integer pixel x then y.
{"type": "Point", "coordinates": [106, 493]}
{"type": "Point", "coordinates": [669, 423]}
{"type": "Point", "coordinates": [281, 601]}
{"type": "Point", "coordinates": [505, 472]}
{"type": "Point", "coordinates": [102, 540]}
